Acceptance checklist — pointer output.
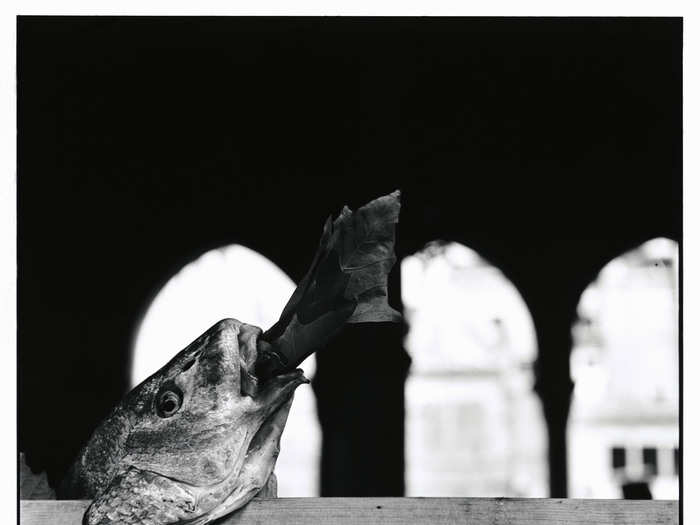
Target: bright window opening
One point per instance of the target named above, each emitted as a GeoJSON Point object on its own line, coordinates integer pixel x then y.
{"type": "Point", "coordinates": [474, 426]}
{"type": "Point", "coordinates": [624, 365]}
{"type": "Point", "coordinates": [233, 282]}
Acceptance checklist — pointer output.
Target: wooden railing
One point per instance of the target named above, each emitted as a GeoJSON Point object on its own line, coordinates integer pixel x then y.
{"type": "Point", "coordinates": [427, 511]}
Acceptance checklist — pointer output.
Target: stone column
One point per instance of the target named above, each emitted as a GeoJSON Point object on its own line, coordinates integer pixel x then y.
{"type": "Point", "coordinates": [554, 386]}
{"type": "Point", "coordinates": [359, 386]}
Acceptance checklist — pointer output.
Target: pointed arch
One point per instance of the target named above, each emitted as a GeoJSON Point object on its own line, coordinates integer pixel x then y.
{"type": "Point", "coordinates": [623, 426]}
{"type": "Point", "coordinates": [473, 423]}
{"type": "Point", "coordinates": [232, 281]}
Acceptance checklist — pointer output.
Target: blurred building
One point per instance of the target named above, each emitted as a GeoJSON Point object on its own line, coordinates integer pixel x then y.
{"type": "Point", "coordinates": [624, 426]}
{"type": "Point", "coordinates": [473, 423]}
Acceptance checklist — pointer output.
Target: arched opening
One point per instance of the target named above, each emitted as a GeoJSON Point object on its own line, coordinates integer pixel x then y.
{"type": "Point", "coordinates": [623, 431]}
{"type": "Point", "coordinates": [473, 423]}
{"type": "Point", "coordinates": [232, 281]}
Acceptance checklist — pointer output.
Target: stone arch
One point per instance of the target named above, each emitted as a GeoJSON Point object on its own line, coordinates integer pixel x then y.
{"type": "Point", "coordinates": [232, 281]}
{"type": "Point", "coordinates": [623, 427]}
{"type": "Point", "coordinates": [474, 425]}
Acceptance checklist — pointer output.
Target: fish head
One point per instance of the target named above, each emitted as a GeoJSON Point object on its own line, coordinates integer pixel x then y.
{"type": "Point", "coordinates": [194, 419]}
{"type": "Point", "coordinates": [203, 434]}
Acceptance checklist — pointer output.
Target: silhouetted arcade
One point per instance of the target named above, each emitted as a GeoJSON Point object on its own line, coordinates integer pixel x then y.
{"type": "Point", "coordinates": [549, 146]}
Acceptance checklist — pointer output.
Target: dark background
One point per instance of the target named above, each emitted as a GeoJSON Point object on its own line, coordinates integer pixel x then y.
{"type": "Point", "coordinates": [550, 146]}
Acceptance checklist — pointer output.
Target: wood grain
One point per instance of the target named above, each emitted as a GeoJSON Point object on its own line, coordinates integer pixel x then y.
{"type": "Point", "coordinates": [433, 511]}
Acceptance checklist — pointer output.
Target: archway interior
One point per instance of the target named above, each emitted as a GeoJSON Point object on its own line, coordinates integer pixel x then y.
{"type": "Point", "coordinates": [473, 423]}
{"type": "Point", "coordinates": [237, 282]}
{"type": "Point", "coordinates": [623, 429]}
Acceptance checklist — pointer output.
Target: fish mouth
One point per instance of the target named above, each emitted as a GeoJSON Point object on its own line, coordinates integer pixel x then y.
{"type": "Point", "coordinates": [277, 396]}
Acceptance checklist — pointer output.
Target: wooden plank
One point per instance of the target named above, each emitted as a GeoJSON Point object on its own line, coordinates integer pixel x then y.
{"type": "Point", "coordinates": [433, 511]}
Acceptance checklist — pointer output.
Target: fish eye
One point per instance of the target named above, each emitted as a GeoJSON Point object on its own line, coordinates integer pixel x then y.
{"type": "Point", "coordinates": [169, 401]}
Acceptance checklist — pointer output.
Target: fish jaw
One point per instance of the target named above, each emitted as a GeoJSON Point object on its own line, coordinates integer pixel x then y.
{"type": "Point", "coordinates": [256, 471]}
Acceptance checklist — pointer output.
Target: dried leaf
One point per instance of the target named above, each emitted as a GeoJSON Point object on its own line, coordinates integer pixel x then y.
{"type": "Point", "coordinates": [347, 283]}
